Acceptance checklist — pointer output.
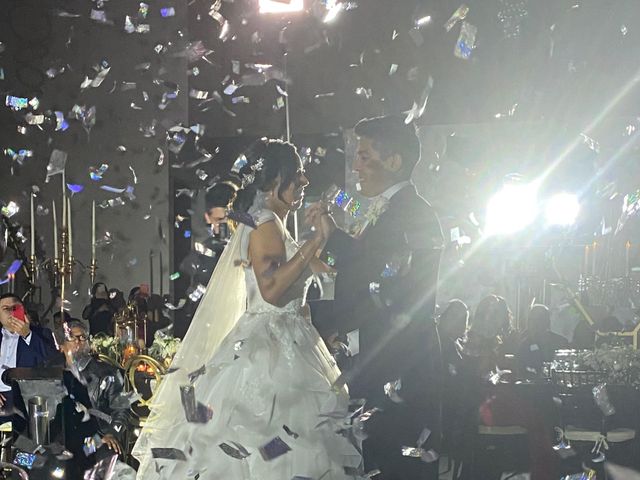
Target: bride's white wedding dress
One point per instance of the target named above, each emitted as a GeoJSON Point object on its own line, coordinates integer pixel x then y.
{"type": "Point", "coordinates": [269, 377]}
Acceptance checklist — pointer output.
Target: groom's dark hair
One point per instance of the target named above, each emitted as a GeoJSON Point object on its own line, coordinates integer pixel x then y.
{"type": "Point", "coordinates": [391, 135]}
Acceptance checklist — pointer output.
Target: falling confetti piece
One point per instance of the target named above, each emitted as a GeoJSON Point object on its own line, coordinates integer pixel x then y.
{"type": "Point", "coordinates": [57, 162]}
{"type": "Point", "coordinates": [273, 449]}
{"type": "Point", "coordinates": [16, 103]}
{"type": "Point", "coordinates": [96, 173]}
{"type": "Point", "coordinates": [459, 14]}
{"type": "Point", "coordinates": [75, 188]}
{"type": "Point", "coordinates": [466, 41]}
{"type": "Point", "coordinates": [181, 303]}
{"type": "Point", "coordinates": [10, 209]}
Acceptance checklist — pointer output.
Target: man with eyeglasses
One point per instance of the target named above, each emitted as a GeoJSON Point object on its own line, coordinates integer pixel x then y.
{"type": "Point", "coordinates": [95, 404]}
{"type": "Point", "coordinates": [20, 346]}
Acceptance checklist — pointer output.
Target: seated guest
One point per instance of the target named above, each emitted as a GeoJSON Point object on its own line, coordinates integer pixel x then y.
{"type": "Point", "coordinates": [99, 312]}
{"type": "Point", "coordinates": [539, 343]}
{"type": "Point", "coordinates": [480, 396]}
{"type": "Point", "coordinates": [94, 405]}
{"type": "Point", "coordinates": [58, 326]}
{"type": "Point", "coordinates": [452, 325]}
{"type": "Point", "coordinates": [20, 346]}
{"type": "Point", "coordinates": [486, 338]}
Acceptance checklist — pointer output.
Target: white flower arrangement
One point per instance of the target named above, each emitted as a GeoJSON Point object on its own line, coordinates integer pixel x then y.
{"type": "Point", "coordinates": [106, 345]}
{"type": "Point", "coordinates": [164, 348]}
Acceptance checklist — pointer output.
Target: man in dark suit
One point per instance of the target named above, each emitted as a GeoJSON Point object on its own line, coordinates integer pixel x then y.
{"type": "Point", "coordinates": [95, 404]}
{"type": "Point", "coordinates": [386, 290]}
{"type": "Point", "coordinates": [20, 346]}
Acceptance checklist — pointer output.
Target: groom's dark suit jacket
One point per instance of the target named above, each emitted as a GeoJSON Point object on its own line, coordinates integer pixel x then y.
{"type": "Point", "coordinates": [386, 288]}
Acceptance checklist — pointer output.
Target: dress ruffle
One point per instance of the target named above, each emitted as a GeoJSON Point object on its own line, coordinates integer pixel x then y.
{"type": "Point", "coordinates": [271, 377]}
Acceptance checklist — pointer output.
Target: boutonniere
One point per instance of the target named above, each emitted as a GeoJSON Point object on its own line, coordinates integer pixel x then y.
{"type": "Point", "coordinates": [376, 208]}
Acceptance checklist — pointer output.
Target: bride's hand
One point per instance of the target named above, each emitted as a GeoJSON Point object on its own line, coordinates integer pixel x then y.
{"type": "Point", "coordinates": [324, 225]}
{"type": "Point", "coordinates": [312, 212]}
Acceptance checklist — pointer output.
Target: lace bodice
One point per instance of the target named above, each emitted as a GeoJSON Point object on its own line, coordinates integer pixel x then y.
{"type": "Point", "coordinates": [295, 295]}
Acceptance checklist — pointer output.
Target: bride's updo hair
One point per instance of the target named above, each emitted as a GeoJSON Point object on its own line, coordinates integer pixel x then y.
{"type": "Point", "coordinates": [267, 160]}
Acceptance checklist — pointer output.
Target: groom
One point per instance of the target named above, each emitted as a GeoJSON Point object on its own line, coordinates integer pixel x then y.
{"type": "Point", "coordinates": [385, 291]}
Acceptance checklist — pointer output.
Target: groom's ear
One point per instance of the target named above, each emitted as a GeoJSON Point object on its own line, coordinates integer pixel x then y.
{"type": "Point", "coordinates": [393, 163]}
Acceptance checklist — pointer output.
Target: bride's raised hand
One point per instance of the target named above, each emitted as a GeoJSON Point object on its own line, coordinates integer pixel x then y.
{"type": "Point", "coordinates": [324, 225]}
{"type": "Point", "coordinates": [312, 211]}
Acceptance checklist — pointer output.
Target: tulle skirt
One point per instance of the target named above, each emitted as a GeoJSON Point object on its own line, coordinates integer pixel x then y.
{"type": "Point", "coordinates": [271, 377]}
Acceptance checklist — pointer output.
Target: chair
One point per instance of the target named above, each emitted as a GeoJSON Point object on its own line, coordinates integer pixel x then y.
{"type": "Point", "coordinates": [492, 449]}
{"type": "Point", "coordinates": [153, 372]}
{"type": "Point", "coordinates": [156, 370]}
{"type": "Point", "coordinates": [107, 359]}
{"type": "Point", "coordinates": [521, 414]}
{"type": "Point", "coordinates": [582, 419]}
{"type": "Point", "coordinates": [498, 449]}
{"type": "Point", "coordinates": [501, 430]}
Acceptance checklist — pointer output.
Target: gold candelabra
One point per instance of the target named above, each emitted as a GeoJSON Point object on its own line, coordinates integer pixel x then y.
{"type": "Point", "coordinates": [93, 268]}
{"type": "Point", "coordinates": [33, 269]}
{"type": "Point", "coordinates": [64, 266]}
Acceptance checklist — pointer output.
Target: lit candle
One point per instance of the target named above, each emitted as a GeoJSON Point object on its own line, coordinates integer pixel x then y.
{"type": "Point", "coordinates": [69, 227]}
{"type": "Point", "coordinates": [55, 231]}
{"type": "Point", "coordinates": [33, 230]}
{"type": "Point", "coordinates": [64, 202]}
{"type": "Point", "coordinates": [593, 258]}
{"type": "Point", "coordinates": [626, 258]}
{"type": "Point", "coordinates": [93, 231]}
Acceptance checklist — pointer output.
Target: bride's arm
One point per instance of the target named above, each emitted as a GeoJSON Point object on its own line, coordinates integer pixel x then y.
{"type": "Point", "coordinates": [268, 258]}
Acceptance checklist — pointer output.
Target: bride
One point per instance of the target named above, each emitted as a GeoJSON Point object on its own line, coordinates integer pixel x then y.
{"type": "Point", "coordinates": [262, 377]}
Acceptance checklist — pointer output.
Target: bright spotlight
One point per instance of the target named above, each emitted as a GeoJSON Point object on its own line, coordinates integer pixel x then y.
{"type": "Point", "coordinates": [562, 209]}
{"type": "Point", "coordinates": [281, 6]}
{"type": "Point", "coordinates": [511, 209]}
{"type": "Point", "coordinates": [333, 11]}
